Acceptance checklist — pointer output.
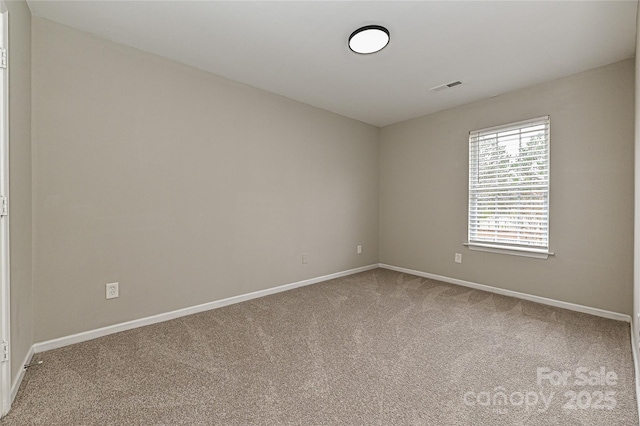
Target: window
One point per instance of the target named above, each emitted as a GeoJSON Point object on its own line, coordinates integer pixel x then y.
{"type": "Point", "coordinates": [509, 188]}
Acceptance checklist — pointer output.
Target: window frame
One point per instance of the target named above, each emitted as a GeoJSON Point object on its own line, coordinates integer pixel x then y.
{"type": "Point", "coordinates": [477, 244]}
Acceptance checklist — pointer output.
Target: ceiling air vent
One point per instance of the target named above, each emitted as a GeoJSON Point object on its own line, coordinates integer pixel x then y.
{"type": "Point", "coordinates": [446, 86]}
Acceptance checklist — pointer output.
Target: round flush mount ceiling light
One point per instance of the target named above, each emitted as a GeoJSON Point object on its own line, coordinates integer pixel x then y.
{"type": "Point", "coordinates": [369, 39]}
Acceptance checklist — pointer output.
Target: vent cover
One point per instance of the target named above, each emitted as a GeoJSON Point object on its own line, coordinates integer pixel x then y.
{"type": "Point", "coordinates": [446, 86]}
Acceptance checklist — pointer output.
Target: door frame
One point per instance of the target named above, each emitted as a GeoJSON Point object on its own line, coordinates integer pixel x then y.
{"type": "Point", "coordinates": [5, 300]}
{"type": "Point", "coordinates": [635, 317]}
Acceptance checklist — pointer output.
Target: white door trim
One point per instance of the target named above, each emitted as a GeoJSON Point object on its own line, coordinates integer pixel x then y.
{"type": "Point", "coordinates": [5, 300]}
{"type": "Point", "coordinates": [635, 328]}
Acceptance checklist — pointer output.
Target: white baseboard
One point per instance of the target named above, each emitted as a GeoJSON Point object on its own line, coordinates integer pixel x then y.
{"type": "Point", "coordinates": [18, 379]}
{"type": "Point", "coordinates": [116, 328]}
{"type": "Point", "coordinates": [539, 299]}
{"type": "Point", "coordinates": [634, 350]}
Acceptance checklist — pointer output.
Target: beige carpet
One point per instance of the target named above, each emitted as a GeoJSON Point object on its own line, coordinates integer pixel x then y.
{"type": "Point", "coordinates": [376, 348]}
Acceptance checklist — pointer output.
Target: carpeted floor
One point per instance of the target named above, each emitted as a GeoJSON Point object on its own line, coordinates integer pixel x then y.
{"type": "Point", "coordinates": [376, 348]}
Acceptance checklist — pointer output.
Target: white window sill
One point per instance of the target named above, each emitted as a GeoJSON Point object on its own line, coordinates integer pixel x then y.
{"type": "Point", "coordinates": [513, 251]}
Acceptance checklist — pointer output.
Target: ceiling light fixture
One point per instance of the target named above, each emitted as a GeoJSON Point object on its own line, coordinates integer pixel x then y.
{"type": "Point", "coordinates": [369, 39]}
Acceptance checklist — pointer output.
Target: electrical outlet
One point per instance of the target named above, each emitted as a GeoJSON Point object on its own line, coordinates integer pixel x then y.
{"type": "Point", "coordinates": [359, 249]}
{"type": "Point", "coordinates": [112, 290]}
{"type": "Point", "coordinates": [458, 258]}
{"type": "Point", "coordinates": [305, 258]}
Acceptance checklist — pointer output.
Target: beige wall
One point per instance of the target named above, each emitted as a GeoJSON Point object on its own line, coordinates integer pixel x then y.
{"type": "Point", "coordinates": [182, 186]}
{"type": "Point", "coordinates": [187, 188]}
{"type": "Point", "coordinates": [20, 181]}
{"type": "Point", "coordinates": [424, 188]}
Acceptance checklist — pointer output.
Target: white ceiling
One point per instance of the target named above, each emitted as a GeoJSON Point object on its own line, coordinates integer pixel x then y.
{"type": "Point", "coordinates": [299, 49]}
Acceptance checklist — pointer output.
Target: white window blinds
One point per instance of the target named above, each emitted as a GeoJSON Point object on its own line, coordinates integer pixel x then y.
{"type": "Point", "coordinates": [509, 186]}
